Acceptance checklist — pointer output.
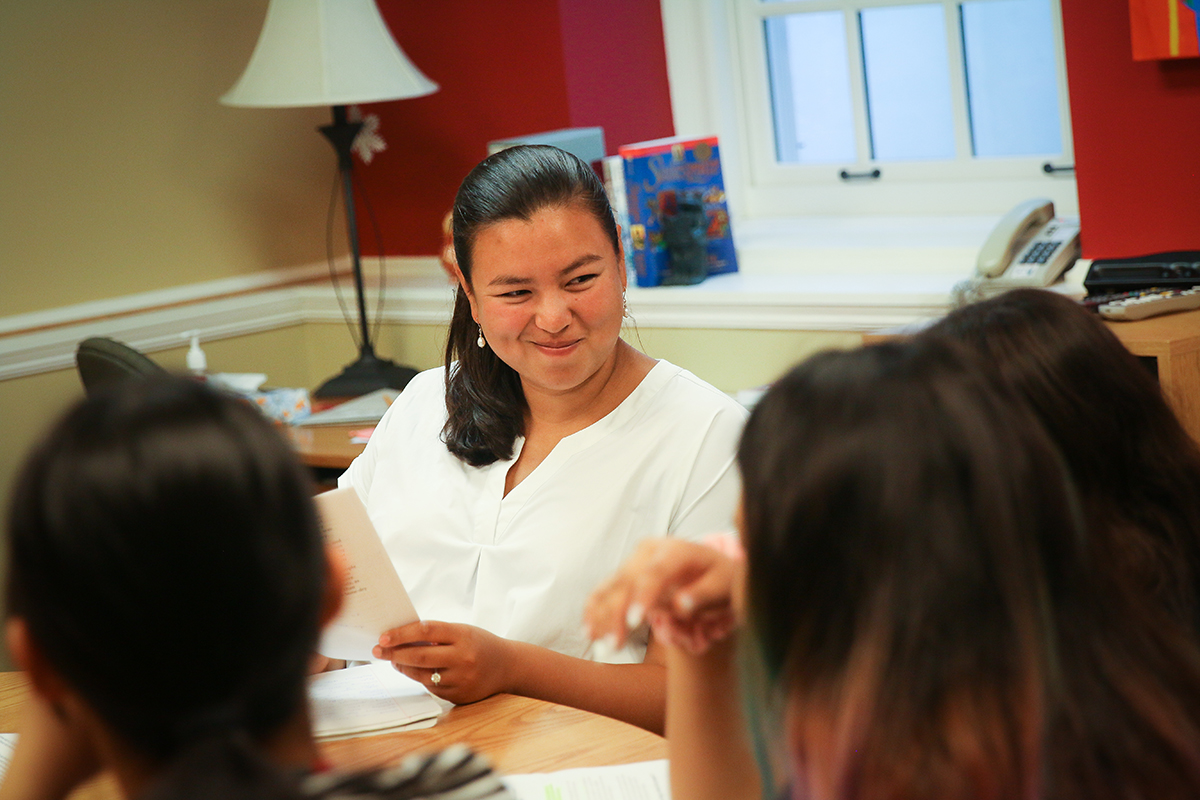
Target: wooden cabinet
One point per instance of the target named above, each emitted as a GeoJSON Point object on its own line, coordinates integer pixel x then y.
{"type": "Point", "coordinates": [1173, 341]}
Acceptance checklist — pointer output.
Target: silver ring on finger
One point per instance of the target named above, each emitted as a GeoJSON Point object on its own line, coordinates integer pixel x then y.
{"type": "Point", "coordinates": [435, 678]}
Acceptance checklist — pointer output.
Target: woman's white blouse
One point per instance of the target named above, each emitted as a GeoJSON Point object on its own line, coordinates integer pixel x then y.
{"type": "Point", "coordinates": [523, 566]}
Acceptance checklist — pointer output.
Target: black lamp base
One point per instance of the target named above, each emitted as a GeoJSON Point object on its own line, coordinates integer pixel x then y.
{"type": "Point", "coordinates": [366, 375]}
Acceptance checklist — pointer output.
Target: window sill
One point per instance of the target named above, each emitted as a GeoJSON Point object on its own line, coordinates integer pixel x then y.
{"type": "Point", "coordinates": [810, 274]}
{"type": "Point", "coordinates": [832, 274]}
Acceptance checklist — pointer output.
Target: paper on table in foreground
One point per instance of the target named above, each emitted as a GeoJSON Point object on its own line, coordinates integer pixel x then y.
{"type": "Point", "coordinates": [368, 408]}
{"type": "Point", "coordinates": [375, 598]}
{"type": "Point", "coordinates": [371, 698]}
{"type": "Point", "coordinates": [646, 780]}
{"type": "Point", "coordinates": [8, 743]}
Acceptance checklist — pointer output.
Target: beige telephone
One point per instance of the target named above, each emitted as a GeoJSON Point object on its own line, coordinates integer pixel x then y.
{"type": "Point", "coordinates": [1029, 247]}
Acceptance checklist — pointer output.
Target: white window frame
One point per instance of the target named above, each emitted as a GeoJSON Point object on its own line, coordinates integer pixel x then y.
{"type": "Point", "coordinates": [719, 84]}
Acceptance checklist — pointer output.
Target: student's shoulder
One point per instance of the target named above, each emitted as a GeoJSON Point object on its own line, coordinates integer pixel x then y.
{"type": "Point", "coordinates": [426, 388]}
{"type": "Point", "coordinates": [683, 391]}
{"type": "Point", "coordinates": [427, 383]}
{"type": "Point", "coordinates": [423, 400]}
{"type": "Point", "coordinates": [456, 771]}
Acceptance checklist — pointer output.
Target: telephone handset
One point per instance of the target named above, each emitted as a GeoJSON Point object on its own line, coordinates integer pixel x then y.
{"type": "Point", "coordinates": [1029, 247]}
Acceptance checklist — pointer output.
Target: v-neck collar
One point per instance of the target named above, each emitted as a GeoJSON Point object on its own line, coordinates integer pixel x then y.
{"type": "Point", "coordinates": [495, 510]}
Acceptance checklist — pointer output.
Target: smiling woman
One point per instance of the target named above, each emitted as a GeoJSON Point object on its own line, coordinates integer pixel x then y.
{"type": "Point", "coordinates": [506, 485]}
{"type": "Point", "coordinates": [550, 292]}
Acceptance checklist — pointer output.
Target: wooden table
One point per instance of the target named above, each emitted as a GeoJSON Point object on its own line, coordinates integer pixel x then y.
{"type": "Point", "coordinates": [326, 446]}
{"type": "Point", "coordinates": [518, 734]}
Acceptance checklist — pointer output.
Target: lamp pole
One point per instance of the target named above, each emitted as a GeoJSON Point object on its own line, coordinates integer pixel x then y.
{"type": "Point", "coordinates": [368, 372]}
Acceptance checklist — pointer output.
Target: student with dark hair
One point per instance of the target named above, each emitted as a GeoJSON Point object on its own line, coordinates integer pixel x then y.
{"type": "Point", "coordinates": [921, 607]}
{"type": "Point", "coordinates": [167, 582]}
{"type": "Point", "coordinates": [1137, 470]}
{"type": "Point", "coordinates": [507, 484]}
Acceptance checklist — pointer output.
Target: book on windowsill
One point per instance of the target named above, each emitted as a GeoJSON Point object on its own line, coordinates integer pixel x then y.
{"type": "Point", "coordinates": [613, 174]}
{"type": "Point", "coordinates": [669, 182]}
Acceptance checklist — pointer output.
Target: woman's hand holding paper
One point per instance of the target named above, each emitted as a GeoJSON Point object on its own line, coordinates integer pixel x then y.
{"type": "Point", "coordinates": [470, 663]}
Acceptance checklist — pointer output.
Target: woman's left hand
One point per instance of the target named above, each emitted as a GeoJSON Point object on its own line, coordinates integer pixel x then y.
{"type": "Point", "coordinates": [469, 663]}
{"type": "Point", "coordinates": [688, 592]}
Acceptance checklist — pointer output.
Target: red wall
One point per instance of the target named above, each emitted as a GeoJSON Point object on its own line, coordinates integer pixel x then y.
{"type": "Point", "coordinates": [505, 69]}
{"type": "Point", "coordinates": [616, 69]}
{"type": "Point", "coordinates": [1137, 137]}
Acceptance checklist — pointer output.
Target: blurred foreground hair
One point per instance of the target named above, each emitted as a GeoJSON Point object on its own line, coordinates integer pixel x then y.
{"type": "Point", "coordinates": [166, 558]}
{"type": "Point", "coordinates": [1136, 468]}
{"type": "Point", "coordinates": [928, 603]}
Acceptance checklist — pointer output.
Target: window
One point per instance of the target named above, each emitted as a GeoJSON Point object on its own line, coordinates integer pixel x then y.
{"type": "Point", "coordinates": [857, 107]}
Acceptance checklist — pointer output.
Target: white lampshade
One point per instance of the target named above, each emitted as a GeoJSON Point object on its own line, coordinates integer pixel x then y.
{"type": "Point", "coordinates": [326, 53]}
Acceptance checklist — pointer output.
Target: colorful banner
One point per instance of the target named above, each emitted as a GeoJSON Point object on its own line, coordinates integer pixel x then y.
{"type": "Point", "coordinates": [1164, 29]}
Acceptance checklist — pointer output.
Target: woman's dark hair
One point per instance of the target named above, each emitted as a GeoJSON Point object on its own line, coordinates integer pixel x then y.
{"type": "Point", "coordinates": [1137, 470]}
{"type": "Point", "coordinates": [484, 399]}
{"type": "Point", "coordinates": [928, 604]}
{"type": "Point", "coordinates": [166, 558]}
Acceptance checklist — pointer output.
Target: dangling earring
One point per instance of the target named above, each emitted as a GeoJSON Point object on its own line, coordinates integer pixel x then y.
{"type": "Point", "coordinates": [481, 341]}
{"type": "Point", "coordinates": [624, 304]}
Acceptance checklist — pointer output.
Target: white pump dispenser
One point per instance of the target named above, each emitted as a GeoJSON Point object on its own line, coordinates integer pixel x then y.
{"type": "Point", "coordinates": [197, 362]}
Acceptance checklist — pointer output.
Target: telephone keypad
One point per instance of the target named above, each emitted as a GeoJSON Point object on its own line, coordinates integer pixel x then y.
{"type": "Point", "coordinates": [1040, 252]}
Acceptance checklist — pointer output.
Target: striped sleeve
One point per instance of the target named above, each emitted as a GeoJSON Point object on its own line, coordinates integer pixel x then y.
{"type": "Point", "coordinates": [456, 773]}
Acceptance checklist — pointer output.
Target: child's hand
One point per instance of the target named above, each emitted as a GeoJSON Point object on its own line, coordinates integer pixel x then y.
{"type": "Point", "coordinates": [689, 593]}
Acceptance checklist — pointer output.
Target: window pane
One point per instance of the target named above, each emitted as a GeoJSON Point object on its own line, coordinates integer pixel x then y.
{"type": "Point", "coordinates": [908, 82]}
{"type": "Point", "coordinates": [810, 88]}
{"type": "Point", "coordinates": [1012, 77]}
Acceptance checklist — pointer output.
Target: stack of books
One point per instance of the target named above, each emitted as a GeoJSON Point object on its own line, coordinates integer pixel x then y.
{"type": "Point", "coordinates": [669, 198]}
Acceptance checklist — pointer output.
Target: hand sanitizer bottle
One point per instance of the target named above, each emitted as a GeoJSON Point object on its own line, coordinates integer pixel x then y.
{"type": "Point", "coordinates": [197, 362]}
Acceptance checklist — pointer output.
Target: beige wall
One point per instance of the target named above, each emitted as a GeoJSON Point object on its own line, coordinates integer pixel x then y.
{"type": "Point", "coordinates": [737, 359]}
{"type": "Point", "coordinates": [121, 171]}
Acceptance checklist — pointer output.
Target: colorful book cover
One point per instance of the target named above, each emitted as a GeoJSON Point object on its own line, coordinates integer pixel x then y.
{"type": "Point", "coordinates": [613, 168]}
{"type": "Point", "coordinates": [678, 217]}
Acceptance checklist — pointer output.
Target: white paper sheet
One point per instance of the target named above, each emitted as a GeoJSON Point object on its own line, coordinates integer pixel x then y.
{"type": "Point", "coordinates": [646, 780]}
{"type": "Point", "coordinates": [371, 698]}
{"type": "Point", "coordinates": [8, 743]}
{"type": "Point", "coordinates": [376, 600]}
{"type": "Point", "coordinates": [368, 408]}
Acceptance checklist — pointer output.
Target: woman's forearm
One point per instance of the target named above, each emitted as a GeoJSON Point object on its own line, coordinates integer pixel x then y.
{"type": "Point", "coordinates": [633, 693]}
{"type": "Point", "coordinates": [707, 740]}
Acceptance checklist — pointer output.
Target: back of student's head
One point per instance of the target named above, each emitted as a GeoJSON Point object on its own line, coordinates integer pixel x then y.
{"type": "Point", "coordinates": [166, 559]}
{"type": "Point", "coordinates": [925, 600]}
{"type": "Point", "coordinates": [1137, 470]}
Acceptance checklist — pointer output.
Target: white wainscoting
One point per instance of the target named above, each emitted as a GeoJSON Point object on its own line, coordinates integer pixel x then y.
{"type": "Point", "coordinates": [42, 341]}
{"type": "Point", "coordinates": [416, 291]}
